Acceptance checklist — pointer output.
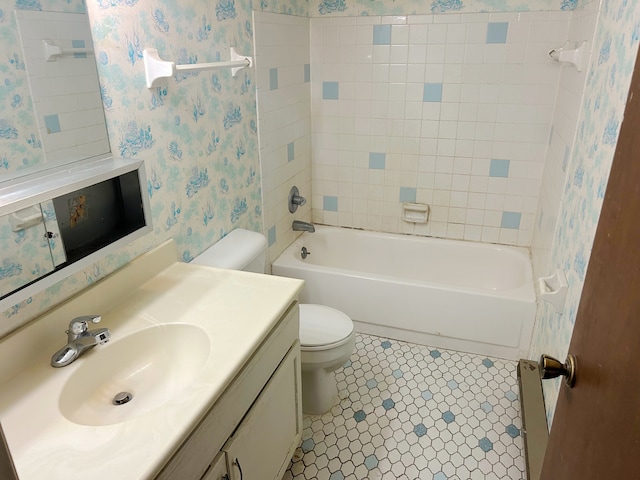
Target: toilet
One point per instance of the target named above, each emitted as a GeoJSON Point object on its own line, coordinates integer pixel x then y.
{"type": "Point", "coordinates": [327, 337]}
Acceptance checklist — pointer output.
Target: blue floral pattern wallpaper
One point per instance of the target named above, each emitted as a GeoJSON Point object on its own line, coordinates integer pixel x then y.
{"type": "Point", "coordinates": [197, 132]}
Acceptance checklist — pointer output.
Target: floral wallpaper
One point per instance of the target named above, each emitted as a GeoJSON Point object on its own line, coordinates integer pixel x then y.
{"type": "Point", "coordinates": [197, 132]}
{"type": "Point", "coordinates": [413, 7]}
{"type": "Point", "coordinates": [615, 49]}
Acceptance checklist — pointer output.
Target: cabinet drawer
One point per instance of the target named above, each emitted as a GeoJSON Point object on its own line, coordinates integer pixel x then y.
{"type": "Point", "coordinates": [262, 446]}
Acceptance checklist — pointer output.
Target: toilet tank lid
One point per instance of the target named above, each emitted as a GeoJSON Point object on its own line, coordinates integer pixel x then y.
{"type": "Point", "coordinates": [234, 251]}
{"type": "Point", "coordinates": [321, 325]}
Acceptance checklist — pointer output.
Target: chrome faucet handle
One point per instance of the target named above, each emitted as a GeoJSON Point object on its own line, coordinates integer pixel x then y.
{"type": "Point", "coordinates": [80, 325]}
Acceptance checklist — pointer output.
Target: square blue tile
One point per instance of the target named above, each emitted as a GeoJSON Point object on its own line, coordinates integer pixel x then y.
{"type": "Point", "coordinates": [273, 78]}
{"type": "Point", "coordinates": [377, 160]}
{"type": "Point", "coordinates": [52, 122]}
{"type": "Point", "coordinates": [271, 235]}
{"type": "Point", "coordinates": [511, 220]}
{"type": "Point", "coordinates": [290, 152]}
{"type": "Point", "coordinates": [499, 168]}
{"type": "Point", "coordinates": [382, 34]}
{"type": "Point", "coordinates": [330, 203]}
{"type": "Point", "coordinates": [330, 90]}
{"type": "Point", "coordinates": [78, 44]}
{"type": "Point", "coordinates": [408, 194]}
{"type": "Point", "coordinates": [497, 32]}
{"type": "Point", "coordinates": [307, 72]}
{"type": "Point", "coordinates": [432, 92]}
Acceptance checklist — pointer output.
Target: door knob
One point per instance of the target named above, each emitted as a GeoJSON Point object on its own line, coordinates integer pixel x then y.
{"type": "Point", "coordinates": [549, 367]}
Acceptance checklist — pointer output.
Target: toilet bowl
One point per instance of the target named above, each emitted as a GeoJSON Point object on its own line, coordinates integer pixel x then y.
{"type": "Point", "coordinates": [327, 337]}
{"type": "Point", "coordinates": [327, 340]}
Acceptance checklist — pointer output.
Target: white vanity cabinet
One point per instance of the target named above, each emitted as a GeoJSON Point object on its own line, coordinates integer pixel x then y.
{"type": "Point", "coordinates": [252, 430]}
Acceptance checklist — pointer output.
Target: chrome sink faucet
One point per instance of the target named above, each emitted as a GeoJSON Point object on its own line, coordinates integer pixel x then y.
{"type": "Point", "coordinates": [79, 340]}
{"type": "Point", "coordinates": [300, 226]}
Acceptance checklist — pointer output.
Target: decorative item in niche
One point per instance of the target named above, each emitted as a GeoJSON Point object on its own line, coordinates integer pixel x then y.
{"type": "Point", "coordinates": [77, 210]}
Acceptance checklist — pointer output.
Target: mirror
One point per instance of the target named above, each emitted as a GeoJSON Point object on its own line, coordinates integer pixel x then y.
{"type": "Point", "coordinates": [51, 116]}
{"type": "Point", "coordinates": [52, 113]}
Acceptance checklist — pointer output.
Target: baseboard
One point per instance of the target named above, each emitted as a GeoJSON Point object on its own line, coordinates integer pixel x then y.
{"type": "Point", "coordinates": [534, 419]}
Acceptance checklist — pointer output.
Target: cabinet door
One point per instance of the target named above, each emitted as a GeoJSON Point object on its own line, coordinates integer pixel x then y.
{"type": "Point", "coordinates": [262, 445]}
{"type": "Point", "coordinates": [218, 469]}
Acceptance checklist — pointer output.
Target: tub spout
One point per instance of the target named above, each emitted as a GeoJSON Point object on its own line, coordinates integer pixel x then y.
{"type": "Point", "coordinates": [299, 226]}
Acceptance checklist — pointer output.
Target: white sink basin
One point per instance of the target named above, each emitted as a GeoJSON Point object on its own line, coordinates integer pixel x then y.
{"type": "Point", "coordinates": [153, 365]}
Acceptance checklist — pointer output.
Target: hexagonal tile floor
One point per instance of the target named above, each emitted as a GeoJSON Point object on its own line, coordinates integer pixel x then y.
{"type": "Point", "coordinates": [413, 412]}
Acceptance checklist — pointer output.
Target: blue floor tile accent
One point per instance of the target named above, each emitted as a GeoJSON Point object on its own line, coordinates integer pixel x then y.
{"type": "Point", "coordinates": [371, 462]}
{"type": "Point", "coordinates": [485, 444]}
{"type": "Point", "coordinates": [420, 430]}
{"type": "Point", "coordinates": [359, 415]}
{"type": "Point", "coordinates": [415, 426]}
{"type": "Point", "coordinates": [386, 344]}
{"type": "Point", "coordinates": [308, 445]}
{"type": "Point", "coordinates": [448, 416]}
{"type": "Point", "coordinates": [512, 431]}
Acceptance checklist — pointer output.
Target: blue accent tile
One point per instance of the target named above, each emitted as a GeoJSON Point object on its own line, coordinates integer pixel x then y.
{"type": "Point", "coordinates": [359, 415]}
{"type": "Point", "coordinates": [408, 194]}
{"type": "Point", "coordinates": [307, 72]}
{"type": "Point", "coordinates": [371, 462]}
{"type": "Point", "coordinates": [347, 364]}
{"type": "Point", "coordinates": [382, 34]}
{"type": "Point", "coordinates": [308, 445]}
{"type": "Point", "coordinates": [271, 235]}
{"type": "Point", "coordinates": [290, 152]}
{"type": "Point", "coordinates": [388, 404]}
{"type": "Point", "coordinates": [511, 220]}
{"type": "Point", "coordinates": [485, 444]}
{"type": "Point", "coordinates": [497, 32]}
{"type": "Point", "coordinates": [420, 430]}
{"type": "Point", "coordinates": [372, 383]}
{"type": "Point", "coordinates": [486, 407]}
{"type": "Point", "coordinates": [329, 203]}
{"type": "Point", "coordinates": [448, 416]}
{"type": "Point", "coordinates": [427, 395]}
{"type": "Point", "coordinates": [499, 168]}
{"type": "Point", "coordinates": [377, 160]}
{"type": "Point", "coordinates": [487, 363]}
{"type": "Point", "coordinates": [511, 396]}
{"type": "Point", "coordinates": [435, 354]}
{"type": "Point", "coordinates": [273, 78]}
{"type": "Point", "coordinates": [386, 344]}
{"type": "Point", "coordinates": [330, 90]}
{"type": "Point", "coordinates": [337, 476]}
{"type": "Point", "coordinates": [512, 431]}
{"type": "Point", "coordinates": [432, 92]}
{"type": "Point", "coordinates": [52, 122]}
{"type": "Point", "coordinates": [452, 384]}
{"type": "Point", "coordinates": [397, 373]}
{"type": "Point", "coordinates": [78, 44]}
{"type": "Point", "coordinates": [440, 476]}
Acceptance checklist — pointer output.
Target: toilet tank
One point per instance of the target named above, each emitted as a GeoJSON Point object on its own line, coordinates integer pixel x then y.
{"type": "Point", "coordinates": [239, 250]}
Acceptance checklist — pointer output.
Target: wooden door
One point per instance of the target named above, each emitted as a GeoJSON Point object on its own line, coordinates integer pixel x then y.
{"type": "Point", "coordinates": [596, 429]}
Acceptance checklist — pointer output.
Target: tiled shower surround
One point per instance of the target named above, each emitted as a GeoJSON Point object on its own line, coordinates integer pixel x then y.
{"type": "Point", "coordinates": [451, 110]}
{"type": "Point", "coordinates": [413, 412]}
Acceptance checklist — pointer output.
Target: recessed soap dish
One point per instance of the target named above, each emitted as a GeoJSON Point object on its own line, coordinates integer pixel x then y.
{"type": "Point", "coordinates": [415, 212]}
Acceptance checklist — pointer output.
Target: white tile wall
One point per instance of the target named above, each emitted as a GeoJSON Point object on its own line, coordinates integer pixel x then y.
{"type": "Point", "coordinates": [497, 102]}
{"type": "Point", "coordinates": [561, 142]}
{"type": "Point", "coordinates": [67, 88]}
{"type": "Point", "coordinates": [284, 117]}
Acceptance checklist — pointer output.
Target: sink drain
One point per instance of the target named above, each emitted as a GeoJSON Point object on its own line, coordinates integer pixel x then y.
{"type": "Point", "coordinates": [122, 398]}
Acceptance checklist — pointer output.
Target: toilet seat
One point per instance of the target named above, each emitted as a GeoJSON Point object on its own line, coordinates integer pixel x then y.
{"type": "Point", "coordinates": [323, 328]}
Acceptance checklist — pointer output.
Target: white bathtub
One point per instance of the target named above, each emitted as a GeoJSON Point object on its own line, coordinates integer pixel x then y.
{"type": "Point", "coordinates": [472, 297]}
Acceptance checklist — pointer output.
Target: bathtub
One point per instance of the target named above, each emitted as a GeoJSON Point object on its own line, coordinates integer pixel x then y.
{"type": "Point", "coordinates": [471, 297]}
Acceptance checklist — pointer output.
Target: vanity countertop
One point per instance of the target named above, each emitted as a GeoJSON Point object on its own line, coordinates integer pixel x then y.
{"type": "Point", "coordinates": [237, 310]}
